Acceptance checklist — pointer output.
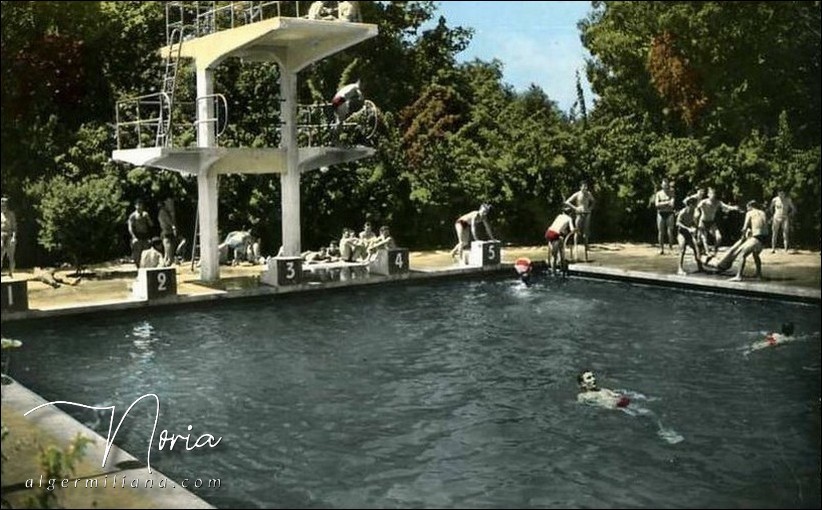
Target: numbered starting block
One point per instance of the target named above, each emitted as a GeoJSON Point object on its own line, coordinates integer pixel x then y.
{"type": "Point", "coordinates": [390, 262]}
{"type": "Point", "coordinates": [15, 295]}
{"type": "Point", "coordinates": [485, 253]}
{"type": "Point", "coordinates": [283, 271]}
{"type": "Point", "coordinates": [154, 283]}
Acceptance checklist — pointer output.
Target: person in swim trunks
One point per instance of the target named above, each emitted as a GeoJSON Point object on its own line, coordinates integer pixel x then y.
{"type": "Point", "coordinates": [706, 224]}
{"type": "Point", "coordinates": [686, 236]}
{"type": "Point", "coordinates": [583, 203]}
{"type": "Point", "coordinates": [664, 202]}
{"type": "Point", "coordinates": [591, 394]}
{"type": "Point", "coordinates": [782, 210]}
{"type": "Point", "coordinates": [466, 228]}
{"type": "Point", "coordinates": [753, 239]}
{"type": "Point", "coordinates": [756, 228]}
{"type": "Point", "coordinates": [556, 235]}
{"type": "Point", "coordinates": [774, 339]}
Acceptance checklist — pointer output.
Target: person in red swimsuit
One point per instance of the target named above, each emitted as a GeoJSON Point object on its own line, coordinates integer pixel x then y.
{"type": "Point", "coordinates": [557, 233]}
{"type": "Point", "coordinates": [592, 394]}
{"type": "Point", "coordinates": [466, 228]}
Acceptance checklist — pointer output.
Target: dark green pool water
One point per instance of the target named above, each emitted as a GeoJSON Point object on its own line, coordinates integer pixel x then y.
{"type": "Point", "coordinates": [457, 394]}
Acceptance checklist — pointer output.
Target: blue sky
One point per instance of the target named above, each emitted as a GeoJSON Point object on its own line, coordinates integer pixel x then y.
{"type": "Point", "coordinates": [537, 42]}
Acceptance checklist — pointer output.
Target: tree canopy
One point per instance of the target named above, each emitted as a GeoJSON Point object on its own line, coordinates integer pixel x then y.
{"type": "Point", "coordinates": [725, 94]}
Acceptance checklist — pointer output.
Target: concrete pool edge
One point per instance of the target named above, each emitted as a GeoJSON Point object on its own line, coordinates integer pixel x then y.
{"type": "Point", "coordinates": [748, 288]}
{"type": "Point", "coordinates": [745, 288]}
{"type": "Point", "coordinates": [63, 428]}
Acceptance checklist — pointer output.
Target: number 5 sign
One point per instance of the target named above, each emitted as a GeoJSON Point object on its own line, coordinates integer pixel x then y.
{"type": "Point", "coordinates": [485, 253]}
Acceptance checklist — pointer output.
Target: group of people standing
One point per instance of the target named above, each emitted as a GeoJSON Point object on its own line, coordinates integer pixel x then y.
{"type": "Point", "coordinates": [697, 228]}
{"type": "Point", "coordinates": [153, 251]}
{"type": "Point", "coordinates": [573, 220]}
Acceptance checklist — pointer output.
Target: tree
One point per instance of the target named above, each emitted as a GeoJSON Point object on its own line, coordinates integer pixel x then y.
{"type": "Point", "coordinates": [82, 220]}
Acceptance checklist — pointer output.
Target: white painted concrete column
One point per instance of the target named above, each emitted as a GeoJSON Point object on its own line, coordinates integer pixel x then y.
{"type": "Point", "coordinates": [207, 182]}
{"type": "Point", "coordinates": [290, 180]}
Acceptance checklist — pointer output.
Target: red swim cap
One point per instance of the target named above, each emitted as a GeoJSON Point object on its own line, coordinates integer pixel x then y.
{"type": "Point", "coordinates": [623, 401]}
{"type": "Point", "coordinates": [522, 265]}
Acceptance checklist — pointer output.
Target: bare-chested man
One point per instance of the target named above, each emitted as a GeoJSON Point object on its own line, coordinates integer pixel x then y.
{"type": "Point", "coordinates": [773, 339]}
{"type": "Point", "coordinates": [556, 235]}
{"type": "Point", "coordinates": [706, 213]}
{"type": "Point", "coordinates": [754, 237]}
{"type": "Point", "coordinates": [686, 226]}
{"type": "Point", "coordinates": [782, 210]}
{"type": "Point", "coordinates": [8, 240]}
{"type": "Point", "coordinates": [756, 226]}
{"type": "Point", "coordinates": [591, 394]}
{"type": "Point", "coordinates": [664, 203]}
{"type": "Point", "coordinates": [466, 228]}
{"type": "Point", "coordinates": [583, 203]}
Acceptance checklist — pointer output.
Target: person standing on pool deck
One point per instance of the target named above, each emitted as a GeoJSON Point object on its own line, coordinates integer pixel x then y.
{"type": "Point", "coordinates": [8, 233]}
{"type": "Point", "coordinates": [706, 212]}
{"type": "Point", "coordinates": [782, 210]}
{"type": "Point", "coordinates": [756, 227]}
{"type": "Point", "coordinates": [168, 231]}
{"type": "Point", "coordinates": [686, 236]}
{"type": "Point", "coordinates": [664, 202]}
{"type": "Point", "coordinates": [591, 394]}
{"type": "Point", "coordinates": [583, 203]}
{"type": "Point", "coordinates": [556, 235]}
{"type": "Point", "coordinates": [466, 228]}
{"type": "Point", "coordinates": [139, 226]}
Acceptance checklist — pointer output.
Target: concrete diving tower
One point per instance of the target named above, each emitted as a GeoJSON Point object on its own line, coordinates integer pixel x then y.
{"type": "Point", "coordinates": [293, 44]}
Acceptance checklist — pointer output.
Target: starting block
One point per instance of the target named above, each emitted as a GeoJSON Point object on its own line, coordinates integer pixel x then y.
{"type": "Point", "coordinates": [283, 271]}
{"type": "Point", "coordinates": [485, 253]}
{"type": "Point", "coordinates": [390, 262]}
{"type": "Point", "coordinates": [156, 282]}
{"type": "Point", "coordinates": [15, 295]}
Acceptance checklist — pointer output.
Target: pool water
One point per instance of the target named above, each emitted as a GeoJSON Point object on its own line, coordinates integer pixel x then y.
{"type": "Point", "coordinates": [457, 394]}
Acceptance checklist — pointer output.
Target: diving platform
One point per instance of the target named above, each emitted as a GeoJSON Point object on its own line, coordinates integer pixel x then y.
{"type": "Point", "coordinates": [293, 42]}
{"type": "Point", "coordinates": [242, 160]}
{"type": "Point", "coordinates": [205, 34]}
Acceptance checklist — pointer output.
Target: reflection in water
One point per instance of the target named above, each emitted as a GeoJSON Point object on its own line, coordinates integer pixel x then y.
{"type": "Point", "coordinates": [144, 340]}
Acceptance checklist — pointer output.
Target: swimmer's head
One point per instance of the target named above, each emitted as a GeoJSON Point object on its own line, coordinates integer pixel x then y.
{"type": "Point", "coordinates": [751, 204]}
{"type": "Point", "coordinates": [690, 201]}
{"type": "Point", "coordinates": [787, 328]}
{"type": "Point", "coordinates": [587, 380]}
{"type": "Point", "coordinates": [567, 209]}
{"type": "Point", "coordinates": [526, 278]}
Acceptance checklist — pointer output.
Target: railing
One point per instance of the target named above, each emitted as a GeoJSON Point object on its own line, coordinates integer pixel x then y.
{"type": "Point", "coordinates": [205, 18]}
{"type": "Point", "coordinates": [317, 125]}
{"type": "Point", "coordinates": [139, 118]}
{"type": "Point", "coordinates": [218, 99]}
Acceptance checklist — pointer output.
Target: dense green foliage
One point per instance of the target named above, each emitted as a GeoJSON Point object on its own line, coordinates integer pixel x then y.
{"type": "Point", "coordinates": [725, 94]}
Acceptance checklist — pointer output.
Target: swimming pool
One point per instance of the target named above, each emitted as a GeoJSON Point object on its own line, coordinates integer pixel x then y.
{"type": "Point", "coordinates": [458, 394]}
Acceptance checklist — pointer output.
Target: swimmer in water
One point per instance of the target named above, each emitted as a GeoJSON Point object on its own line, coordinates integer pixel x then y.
{"type": "Point", "coordinates": [525, 269]}
{"type": "Point", "coordinates": [774, 339]}
{"type": "Point", "coordinates": [529, 271]}
{"type": "Point", "coordinates": [590, 393]}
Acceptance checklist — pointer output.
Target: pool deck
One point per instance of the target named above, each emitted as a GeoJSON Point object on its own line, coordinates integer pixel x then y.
{"type": "Point", "coordinates": [791, 276]}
